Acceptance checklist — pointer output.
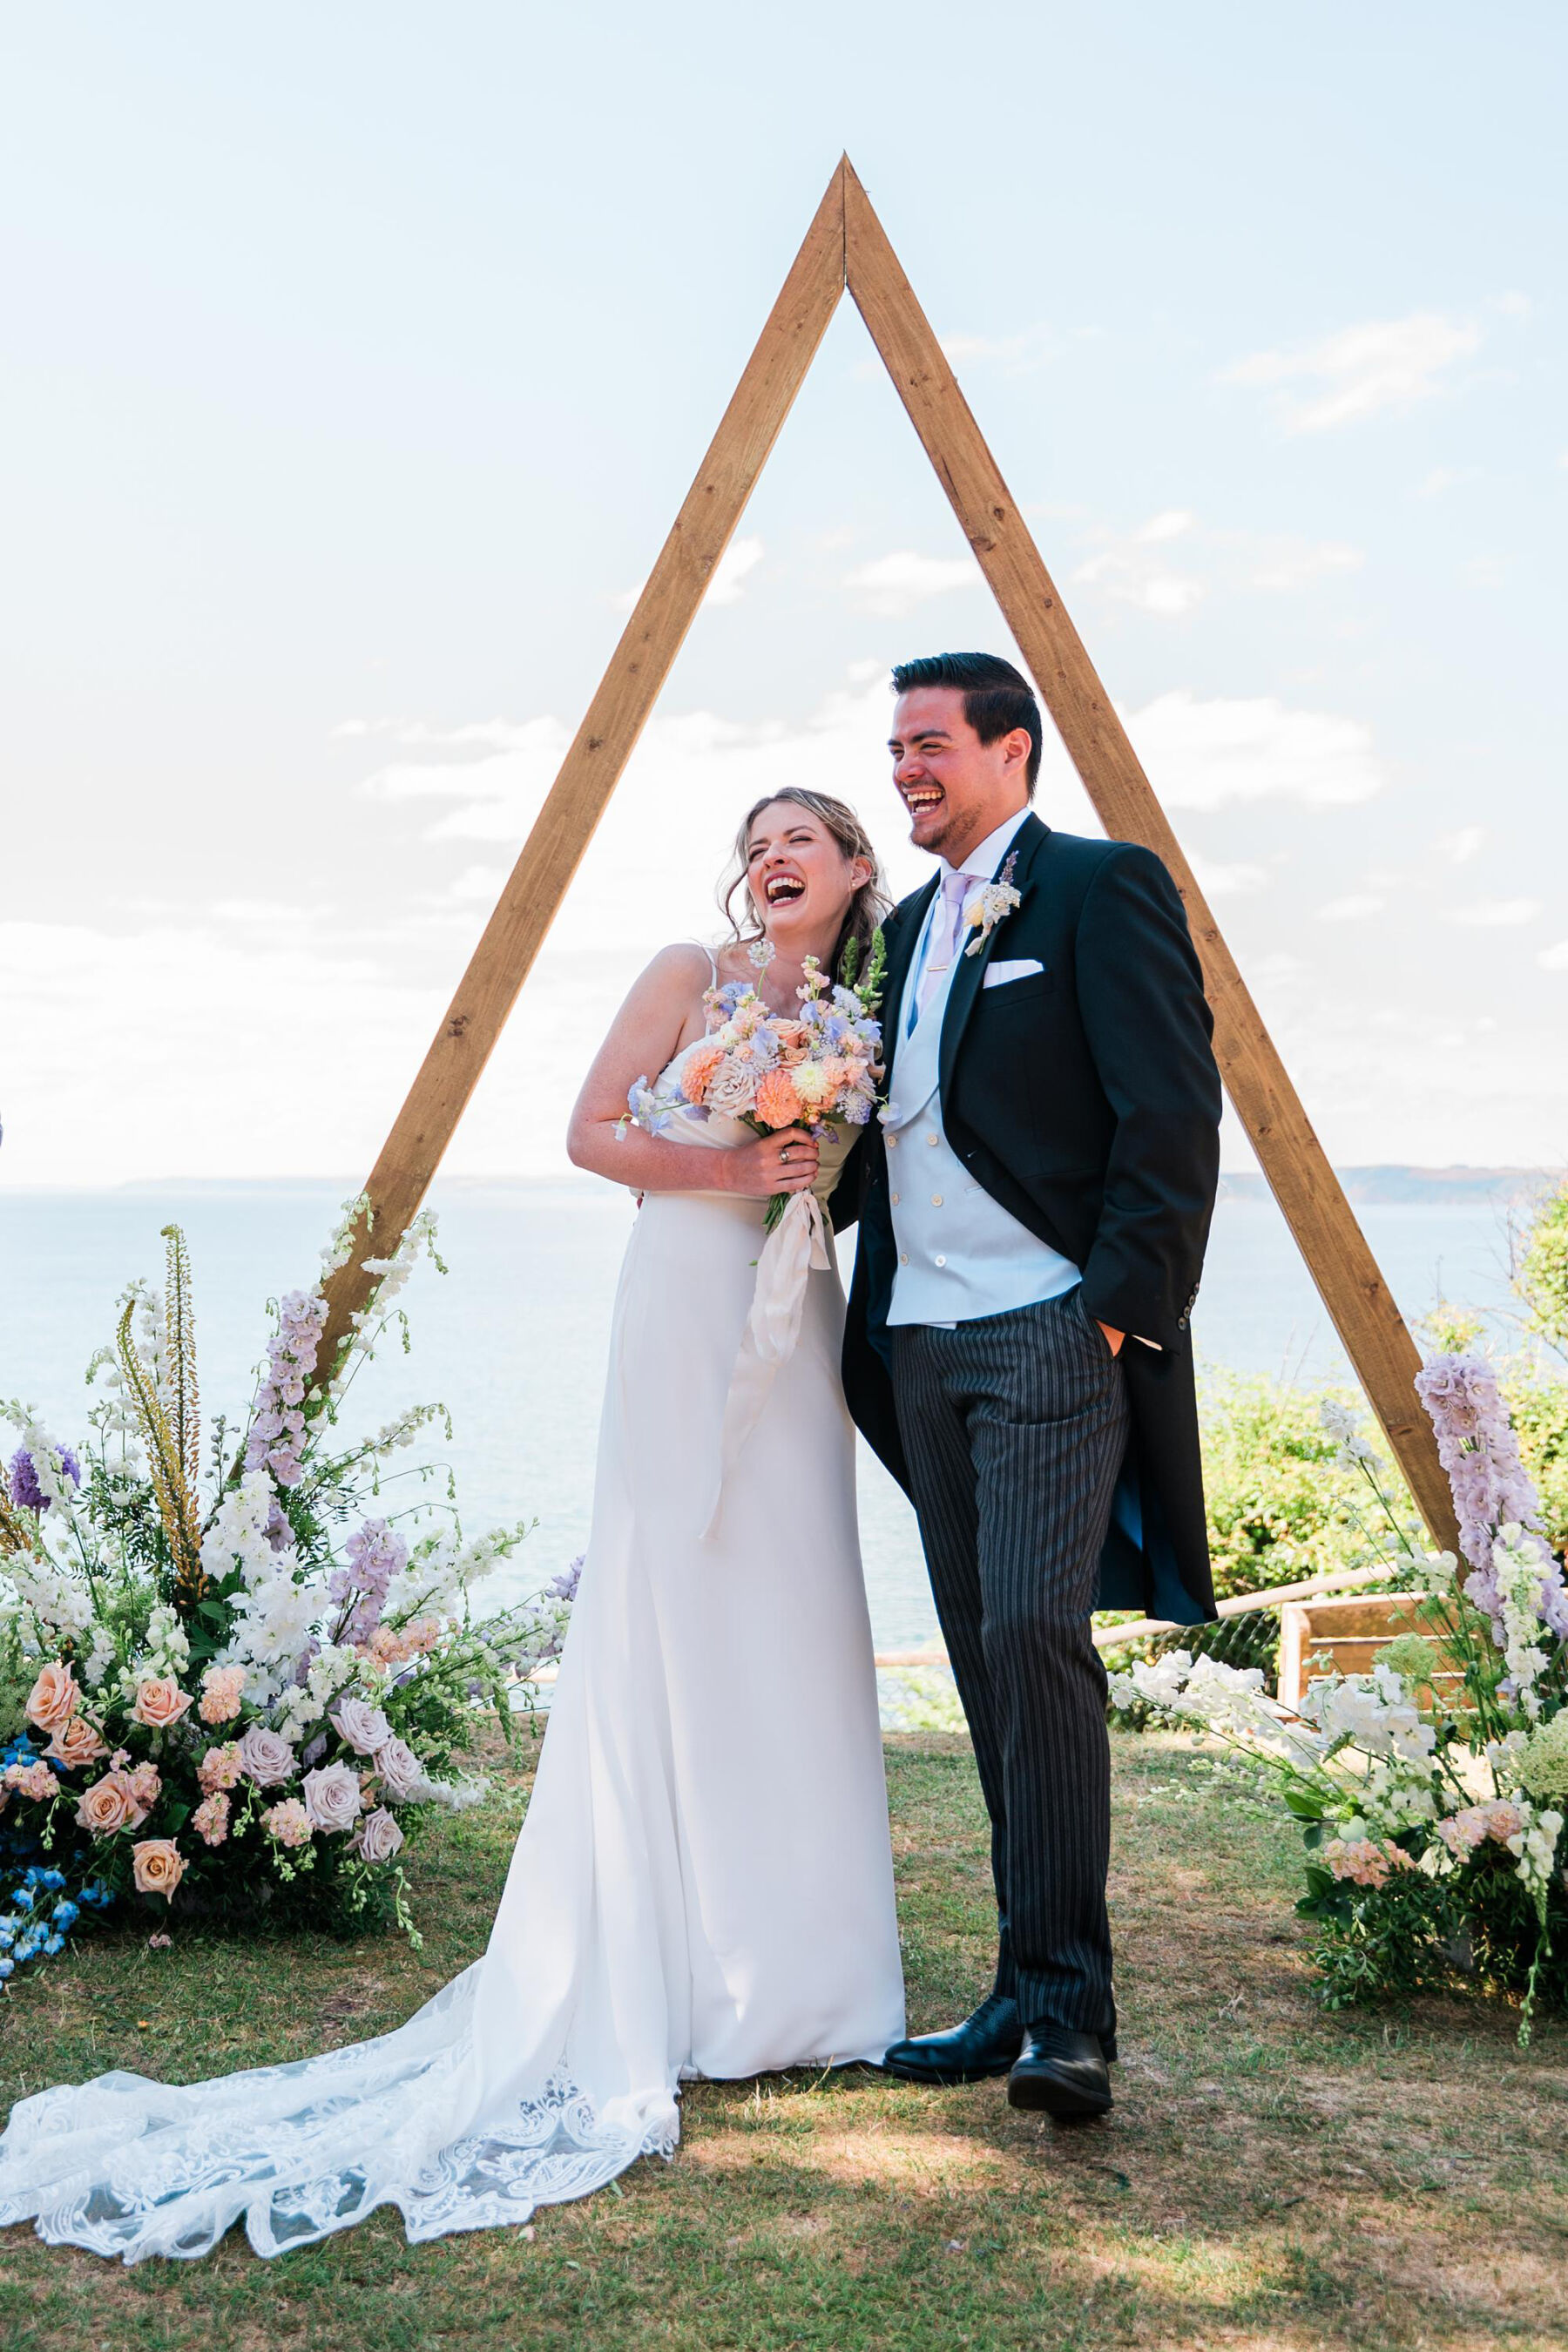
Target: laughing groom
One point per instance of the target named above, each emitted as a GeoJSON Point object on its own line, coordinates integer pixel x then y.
{"type": "Point", "coordinates": [1033, 1215]}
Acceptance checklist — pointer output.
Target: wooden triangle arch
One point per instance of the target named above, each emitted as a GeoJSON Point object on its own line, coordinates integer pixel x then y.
{"type": "Point", "coordinates": [845, 247]}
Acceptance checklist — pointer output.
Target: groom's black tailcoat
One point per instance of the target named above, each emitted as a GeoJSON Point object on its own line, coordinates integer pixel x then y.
{"type": "Point", "coordinates": [1085, 1099]}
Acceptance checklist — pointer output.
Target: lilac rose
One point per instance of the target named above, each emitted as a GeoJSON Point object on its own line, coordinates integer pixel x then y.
{"type": "Point", "coordinates": [332, 1796]}
{"type": "Point", "coordinates": [379, 1839]}
{"type": "Point", "coordinates": [265, 1758]}
{"type": "Point", "coordinates": [361, 1727]}
{"type": "Point", "coordinates": [401, 1773]}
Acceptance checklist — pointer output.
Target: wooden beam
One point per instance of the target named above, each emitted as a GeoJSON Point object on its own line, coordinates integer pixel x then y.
{"type": "Point", "coordinates": [604, 744]}
{"type": "Point", "coordinates": [1316, 1210]}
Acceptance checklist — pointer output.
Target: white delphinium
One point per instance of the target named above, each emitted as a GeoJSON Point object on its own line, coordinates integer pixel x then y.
{"type": "Point", "coordinates": [1535, 1847]}
{"type": "Point", "coordinates": [1371, 1713]}
{"type": "Point", "coordinates": [58, 1603]}
{"type": "Point", "coordinates": [442, 1571]}
{"type": "Point", "coordinates": [238, 1537]}
{"type": "Point", "coordinates": [1434, 1573]}
{"type": "Point", "coordinates": [1517, 1560]}
{"type": "Point", "coordinates": [165, 1651]}
{"type": "Point", "coordinates": [1342, 1425]}
{"type": "Point", "coordinates": [272, 1623]}
{"type": "Point", "coordinates": [332, 1669]}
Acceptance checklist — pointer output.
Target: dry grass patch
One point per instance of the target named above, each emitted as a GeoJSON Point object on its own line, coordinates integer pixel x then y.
{"type": "Point", "coordinates": [1270, 2177]}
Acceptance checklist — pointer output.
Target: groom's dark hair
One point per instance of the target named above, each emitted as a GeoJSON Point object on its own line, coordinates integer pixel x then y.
{"type": "Point", "coordinates": [996, 698]}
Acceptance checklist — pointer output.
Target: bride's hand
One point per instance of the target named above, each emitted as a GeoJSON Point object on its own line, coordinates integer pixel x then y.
{"type": "Point", "coordinates": [785, 1162]}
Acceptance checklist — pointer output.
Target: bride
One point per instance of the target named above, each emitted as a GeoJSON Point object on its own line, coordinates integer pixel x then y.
{"type": "Point", "coordinates": [703, 1883]}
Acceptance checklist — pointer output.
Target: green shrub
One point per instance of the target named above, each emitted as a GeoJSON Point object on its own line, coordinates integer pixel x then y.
{"type": "Point", "coordinates": [1280, 1506]}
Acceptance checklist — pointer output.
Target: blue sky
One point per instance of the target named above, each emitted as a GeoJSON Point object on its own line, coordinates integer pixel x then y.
{"type": "Point", "coordinates": [356, 360]}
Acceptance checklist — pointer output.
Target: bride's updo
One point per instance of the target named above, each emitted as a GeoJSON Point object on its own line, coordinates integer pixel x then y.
{"type": "Point", "coordinates": [867, 908]}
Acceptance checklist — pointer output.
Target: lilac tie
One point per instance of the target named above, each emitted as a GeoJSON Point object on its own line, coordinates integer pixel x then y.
{"type": "Point", "coordinates": [944, 936]}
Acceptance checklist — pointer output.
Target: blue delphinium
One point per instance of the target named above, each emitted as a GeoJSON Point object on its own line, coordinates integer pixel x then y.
{"type": "Point", "coordinates": [37, 1908]}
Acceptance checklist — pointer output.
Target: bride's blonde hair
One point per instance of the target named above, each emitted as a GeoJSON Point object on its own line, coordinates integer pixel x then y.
{"type": "Point", "coordinates": [867, 908]}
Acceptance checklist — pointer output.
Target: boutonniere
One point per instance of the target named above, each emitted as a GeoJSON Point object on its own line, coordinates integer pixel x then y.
{"type": "Point", "coordinates": [992, 906]}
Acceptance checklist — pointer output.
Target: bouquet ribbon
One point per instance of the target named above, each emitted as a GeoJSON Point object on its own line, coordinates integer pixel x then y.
{"type": "Point", "coordinates": [796, 1246]}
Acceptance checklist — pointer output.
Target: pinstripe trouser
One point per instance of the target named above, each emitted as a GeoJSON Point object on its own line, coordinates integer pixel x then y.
{"type": "Point", "coordinates": [1014, 1427]}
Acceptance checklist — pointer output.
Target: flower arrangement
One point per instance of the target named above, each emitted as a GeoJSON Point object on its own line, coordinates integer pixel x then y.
{"type": "Point", "coordinates": [237, 1694]}
{"type": "Point", "coordinates": [1432, 1792]}
{"type": "Point", "coordinates": [771, 1070]}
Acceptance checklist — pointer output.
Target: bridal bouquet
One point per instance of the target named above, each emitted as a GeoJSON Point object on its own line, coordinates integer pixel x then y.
{"type": "Point", "coordinates": [238, 1693]}
{"type": "Point", "coordinates": [772, 1070]}
{"type": "Point", "coordinates": [1432, 1791]}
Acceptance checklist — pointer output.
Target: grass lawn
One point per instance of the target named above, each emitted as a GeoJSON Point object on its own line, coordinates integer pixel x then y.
{"type": "Point", "coordinates": [1271, 2176]}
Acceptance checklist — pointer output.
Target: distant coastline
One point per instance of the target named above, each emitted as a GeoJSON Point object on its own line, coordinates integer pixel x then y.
{"type": "Point", "coordinates": [1411, 1186]}
{"type": "Point", "coordinates": [1392, 1183]}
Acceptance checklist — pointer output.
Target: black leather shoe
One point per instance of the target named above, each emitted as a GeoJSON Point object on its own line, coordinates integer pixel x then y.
{"type": "Point", "coordinates": [1060, 2072]}
{"type": "Point", "coordinates": [986, 2043]}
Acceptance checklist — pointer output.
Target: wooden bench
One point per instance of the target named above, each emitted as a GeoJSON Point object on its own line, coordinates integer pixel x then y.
{"type": "Point", "coordinates": [1348, 1634]}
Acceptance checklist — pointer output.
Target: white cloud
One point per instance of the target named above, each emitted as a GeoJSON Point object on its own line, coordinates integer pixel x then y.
{"type": "Point", "coordinates": [1126, 570]}
{"type": "Point", "coordinates": [1441, 478]}
{"type": "Point", "coordinates": [1499, 914]}
{"type": "Point", "coordinates": [1459, 847]}
{"type": "Point", "coordinates": [185, 1049]}
{"type": "Point", "coordinates": [1017, 354]}
{"type": "Point", "coordinates": [1172, 522]}
{"type": "Point", "coordinates": [734, 567]}
{"type": "Point", "coordinates": [1217, 881]}
{"type": "Point", "coordinates": [1388, 363]}
{"type": "Point", "coordinates": [1203, 755]}
{"type": "Point", "coordinates": [892, 584]}
{"type": "Point", "coordinates": [1554, 959]}
{"type": "Point", "coordinates": [1353, 907]}
{"type": "Point", "coordinates": [1298, 564]}
{"type": "Point", "coordinates": [1513, 304]}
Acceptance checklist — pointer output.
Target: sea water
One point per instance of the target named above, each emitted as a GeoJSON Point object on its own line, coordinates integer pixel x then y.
{"type": "Point", "coordinates": [513, 1340]}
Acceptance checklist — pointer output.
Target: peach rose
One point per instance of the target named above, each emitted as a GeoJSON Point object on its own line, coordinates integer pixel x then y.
{"type": "Point", "coordinates": [777, 1103]}
{"type": "Point", "coordinates": [157, 1868]}
{"type": "Point", "coordinates": [53, 1697]}
{"type": "Point", "coordinates": [107, 1806]}
{"type": "Point", "coordinates": [697, 1071]}
{"type": "Point", "coordinates": [77, 1744]}
{"type": "Point", "coordinates": [159, 1702]}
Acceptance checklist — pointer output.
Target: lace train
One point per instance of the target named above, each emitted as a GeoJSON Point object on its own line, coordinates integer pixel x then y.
{"type": "Point", "coordinates": [702, 1885]}
{"type": "Point", "coordinates": [128, 2167]}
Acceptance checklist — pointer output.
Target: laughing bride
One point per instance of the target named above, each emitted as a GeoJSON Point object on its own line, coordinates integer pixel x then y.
{"type": "Point", "coordinates": [703, 1885]}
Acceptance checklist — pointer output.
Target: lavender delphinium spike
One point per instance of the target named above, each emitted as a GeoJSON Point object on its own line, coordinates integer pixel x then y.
{"type": "Point", "coordinates": [1491, 1486]}
{"type": "Point", "coordinates": [277, 1434]}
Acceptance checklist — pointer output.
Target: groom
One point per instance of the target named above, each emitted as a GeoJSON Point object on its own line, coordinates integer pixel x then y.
{"type": "Point", "coordinates": [1033, 1210]}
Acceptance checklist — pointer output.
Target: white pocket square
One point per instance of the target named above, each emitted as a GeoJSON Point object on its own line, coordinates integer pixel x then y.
{"type": "Point", "coordinates": [997, 975]}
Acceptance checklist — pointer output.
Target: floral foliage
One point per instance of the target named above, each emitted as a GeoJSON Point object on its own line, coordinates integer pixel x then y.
{"type": "Point", "coordinates": [239, 1696]}
{"type": "Point", "coordinates": [1432, 1791]}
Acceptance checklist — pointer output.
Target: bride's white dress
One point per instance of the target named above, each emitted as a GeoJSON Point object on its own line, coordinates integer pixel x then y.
{"type": "Point", "coordinates": [703, 1883]}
